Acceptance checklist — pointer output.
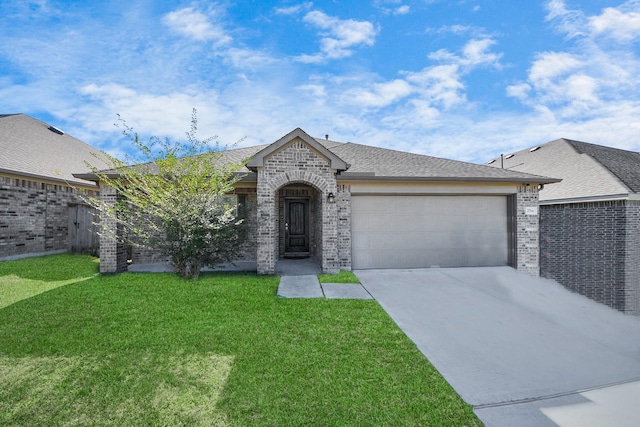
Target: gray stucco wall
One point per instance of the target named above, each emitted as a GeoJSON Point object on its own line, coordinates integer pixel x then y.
{"type": "Point", "coordinates": [592, 249]}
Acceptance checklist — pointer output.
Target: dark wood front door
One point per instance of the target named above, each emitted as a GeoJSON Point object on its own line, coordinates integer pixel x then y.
{"type": "Point", "coordinates": [296, 217]}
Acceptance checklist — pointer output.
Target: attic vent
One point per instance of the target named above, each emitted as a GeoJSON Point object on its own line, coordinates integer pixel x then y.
{"type": "Point", "coordinates": [56, 130]}
{"type": "Point", "coordinates": [508, 156]}
{"type": "Point", "coordinates": [534, 149]}
{"type": "Point", "coordinates": [491, 161]}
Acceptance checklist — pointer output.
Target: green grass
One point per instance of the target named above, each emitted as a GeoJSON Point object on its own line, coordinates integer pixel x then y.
{"type": "Point", "coordinates": [152, 349]}
{"type": "Point", "coordinates": [29, 277]}
{"type": "Point", "coordinates": [343, 276]}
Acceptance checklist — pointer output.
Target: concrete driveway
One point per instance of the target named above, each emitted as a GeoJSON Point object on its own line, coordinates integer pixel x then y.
{"type": "Point", "coordinates": [522, 350]}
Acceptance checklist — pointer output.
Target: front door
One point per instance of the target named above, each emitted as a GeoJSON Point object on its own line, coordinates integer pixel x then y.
{"type": "Point", "coordinates": [296, 228]}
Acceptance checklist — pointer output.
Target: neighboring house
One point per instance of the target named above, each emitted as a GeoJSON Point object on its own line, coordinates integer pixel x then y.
{"type": "Point", "coordinates": [40, 210]}
{"type": "Point", "coordinates": [353, 206]}
{"type": "Point", "coordinates": [589, 222]}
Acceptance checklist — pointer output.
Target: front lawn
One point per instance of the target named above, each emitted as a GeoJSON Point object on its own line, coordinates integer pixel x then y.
{"type": "Point", "coordinates": [153, 349]}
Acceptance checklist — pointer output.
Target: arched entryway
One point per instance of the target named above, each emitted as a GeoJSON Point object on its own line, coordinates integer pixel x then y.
{"type": "Point", "coordinates": [299, 221]}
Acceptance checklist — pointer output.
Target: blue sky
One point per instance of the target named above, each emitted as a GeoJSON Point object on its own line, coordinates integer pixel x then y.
{"type": "Point", "coordinates": [466, 79]}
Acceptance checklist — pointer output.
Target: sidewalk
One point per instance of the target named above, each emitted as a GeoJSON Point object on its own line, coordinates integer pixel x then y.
{"type": "Point", "coordinates": [308, 286]}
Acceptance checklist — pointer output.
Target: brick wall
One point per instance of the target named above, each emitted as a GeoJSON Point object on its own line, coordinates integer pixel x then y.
{"type": "Point", "coordinates": [34, 216]}
{"type": "Point", "coordinates": [247, 252]}
{"type": "Point", "coordinates": [295, 162]}
{"type": "Point", "coordinates": [632, 259]}
{"type": "Point", "coordinates": [593, 249]}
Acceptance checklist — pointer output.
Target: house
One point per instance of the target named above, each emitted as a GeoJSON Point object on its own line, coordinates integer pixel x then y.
{"type": "Point", "coordinates": [354, 206]}
{"type": "Point", "coordinates": [589, 222]}
{"type": "Point", "coordinates": [40, 207]}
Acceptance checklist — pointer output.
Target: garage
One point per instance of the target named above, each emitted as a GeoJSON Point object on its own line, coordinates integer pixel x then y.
{"type": "Point", "coordinates": [418, 231]}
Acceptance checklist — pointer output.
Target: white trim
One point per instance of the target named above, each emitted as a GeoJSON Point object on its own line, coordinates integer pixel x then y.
{"type": "Point", "coordinates": [607, 198]}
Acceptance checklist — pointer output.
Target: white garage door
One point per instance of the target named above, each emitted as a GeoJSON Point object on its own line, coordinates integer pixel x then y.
{"type": "Point", "coordinates": [428, 231]}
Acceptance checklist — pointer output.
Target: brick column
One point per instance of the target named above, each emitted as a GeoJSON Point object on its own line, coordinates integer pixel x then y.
{"type": "Point", "coordinates": [527, 230]}
{"type": "Point", "coordinates": [343, 200]}
{"type": "Point", "coordinates": [330, 259]}
{"type": "Point", "coordinates": [113, 253]}
{"type": "Point", "coordinates": [266, 240]}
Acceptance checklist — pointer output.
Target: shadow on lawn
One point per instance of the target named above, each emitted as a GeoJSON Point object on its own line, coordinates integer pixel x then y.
{"type": "Point", "coordinates": [26, 278]}
{"type": "Point", "coordinates": [52, 268]}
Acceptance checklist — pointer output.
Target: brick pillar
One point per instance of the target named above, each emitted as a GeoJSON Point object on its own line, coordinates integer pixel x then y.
{"type": "Point", "coordinates": [343, 200]}
{"type": "Point", "coordinates": [113, 253]}
{"type": "Point", "coordinates": [266, 241]}
{"type": "Point", "coordinates": [527, 230]}
{"type": "Point", "coordinates": [330, 259]}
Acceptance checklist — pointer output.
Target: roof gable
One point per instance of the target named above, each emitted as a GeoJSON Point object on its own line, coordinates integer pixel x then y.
{"type": "Point", "coordinates": [258, 159]}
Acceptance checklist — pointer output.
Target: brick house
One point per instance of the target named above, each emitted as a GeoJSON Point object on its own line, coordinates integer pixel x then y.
{"type": "Point", "coordinates": [352, 206]}
{"type": "Point", "coordinates": [40, 211]}
{"type": "Point", "coordinates": [589, 222]}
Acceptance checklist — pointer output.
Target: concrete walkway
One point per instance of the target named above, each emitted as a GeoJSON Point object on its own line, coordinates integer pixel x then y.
{"type": "Point", "coordinates": [523, 350]}
{"type": "Point", "coordinates": [308, 286]}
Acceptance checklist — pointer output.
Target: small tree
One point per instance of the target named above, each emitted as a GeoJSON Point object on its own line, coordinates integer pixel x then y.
{"type": "Point", "coordinates": [176, 200]}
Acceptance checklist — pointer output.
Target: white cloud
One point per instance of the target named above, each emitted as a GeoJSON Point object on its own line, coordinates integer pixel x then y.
{"type": "Point", "coordinates": [585, 88]}
{"type": "Point", "coordinates": [616, 24]}
{"type": "Point", "coordinates": [520, 90]}
{"type": "Point", "coordinates": [475, 53]}
{"type": "Point", "coordinates": [570, 22]}
{"type": "Point", "coordinates": [338, 36]}
{"type": "Point", "coordinates": [380, 95]}
{"type": "Point", "coordinates": [293, 10]}
{"type": "Point", "coordinates": [588, 90]}
{"type": "Point", "coordinates": [440, 85]}
{"type": "Point", "coordinates": [402, 10]}
{"type": "Point", "coordinates": [243, 58]}
{"type": "Point", "coordinates": [315, 90]}
{"type": "Point", "coordinates": [196, 25]}
{"type": "Point", "coordinates": [550, 65]}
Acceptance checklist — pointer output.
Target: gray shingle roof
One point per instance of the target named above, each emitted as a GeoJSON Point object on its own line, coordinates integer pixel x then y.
{"type": "Point", "coordinates": [374, 163]}
{"type": "Point", "coordinates": [383, 162]}
{"type": "Point", "coordinates": [29, 148]}
{"type": "Point", "coordinates": [625, 165]}
{"type": "Point", "coordinates": [367, 162]}
{"type": "Point", "coordinates": [586, 170]}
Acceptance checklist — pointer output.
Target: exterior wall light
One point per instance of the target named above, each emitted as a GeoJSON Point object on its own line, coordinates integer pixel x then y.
{"type": "Point", "coordinates": [331, 198]}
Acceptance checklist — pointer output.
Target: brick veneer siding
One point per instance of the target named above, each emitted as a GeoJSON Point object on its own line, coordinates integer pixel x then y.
{"type": "Point", "coordinates": [247, 251]}
{"type": "Point", "coordinates": [343, 201]}
{"type": "Point", "coordinates": [34, 216]}
{"type": "Point", "coordinates": [113, 253]}
{"type": "Point", "coordinates": [632, 259]}
{"type": "Point", "coordinates": [295, 162]}
{"type": "Point", "coordinates": [594, 249]}
{"type": "Point", "coordinates": [527, 230]}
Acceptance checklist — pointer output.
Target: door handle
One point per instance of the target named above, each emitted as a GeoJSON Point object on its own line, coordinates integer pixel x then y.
{"type": "Point", "coordinates": [286, 226]}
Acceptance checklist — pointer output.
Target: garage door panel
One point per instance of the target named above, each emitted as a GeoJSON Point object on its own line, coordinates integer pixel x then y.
{"type": "Point", "coordinates": [428, 231]}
